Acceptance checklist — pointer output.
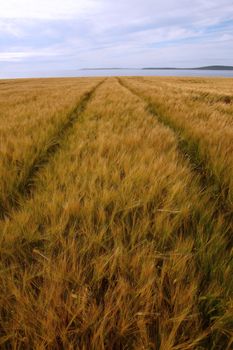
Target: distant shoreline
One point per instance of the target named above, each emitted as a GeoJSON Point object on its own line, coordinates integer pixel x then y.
{"type": "Point", "coordinates": [209, 71]}
{"type": "Point", "coordinates": [167, 68]}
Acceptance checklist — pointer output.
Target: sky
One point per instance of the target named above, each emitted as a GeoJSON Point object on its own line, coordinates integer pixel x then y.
{"type": "Point", "coordinates": [46, 36]}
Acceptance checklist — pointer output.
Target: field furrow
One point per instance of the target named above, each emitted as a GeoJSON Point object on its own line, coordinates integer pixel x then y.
{"type": "Point", "coordinates": [204, 137]}
{"type": "Point", "coordinates": [215, 87]}
{"type": "Point", "coordinates": [215, 97]}
{"type": "Point", "coordinates": [19, 171]}
{"type": "Point", "coordinates": [119, 247]}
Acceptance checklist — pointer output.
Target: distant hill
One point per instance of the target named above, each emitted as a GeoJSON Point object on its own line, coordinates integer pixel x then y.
{"type": "Point", "coordinates": [216, 68]}
{"type": "Point", "coordinates": [198, 68]}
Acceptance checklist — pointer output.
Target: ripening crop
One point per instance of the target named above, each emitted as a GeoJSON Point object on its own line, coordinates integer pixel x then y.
{"type": "Point", "coordinates": [116, 214]}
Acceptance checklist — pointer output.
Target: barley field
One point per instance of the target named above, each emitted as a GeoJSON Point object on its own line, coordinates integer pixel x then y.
{"type": "Point", "coordinates": [116, 213]}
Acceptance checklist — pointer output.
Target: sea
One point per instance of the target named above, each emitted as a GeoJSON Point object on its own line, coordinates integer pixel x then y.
{"type": "Point", "coordinates": [157, 72]}
{"type": "Point", "coordinates": [119, 72]}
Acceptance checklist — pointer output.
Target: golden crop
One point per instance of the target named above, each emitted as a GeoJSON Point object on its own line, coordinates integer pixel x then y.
{"type": "Point", "coordinates": [116, 214]}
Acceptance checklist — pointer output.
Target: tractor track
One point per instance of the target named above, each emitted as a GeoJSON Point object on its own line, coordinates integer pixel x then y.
{"type": "Point", "coordinates": [187, 152]}
{"type": "Point", "coordinates": [25, 188]}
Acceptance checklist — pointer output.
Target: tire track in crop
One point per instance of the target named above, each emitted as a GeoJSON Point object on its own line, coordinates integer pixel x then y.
{"type": "Point", "coordinates": [222, 209]}
{"type": "Point", "coordinates": [196, 95]}
{"type": "Point", "coordinates": [218, 194]}
{"type": "Point", "coordinates": [24, 189]}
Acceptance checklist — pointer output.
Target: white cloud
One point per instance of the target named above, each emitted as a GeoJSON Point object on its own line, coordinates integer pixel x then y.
{"type": "Point", "coordinates": [11, 28]}
{"type": "Point", "coordinates": [79, 33]}
{"type": "Point", "coordinates": [17, 56]}
{"type": "Point", "coordinates": [112, 12]}
{"type": "Point", "coordinates": [45, 9]}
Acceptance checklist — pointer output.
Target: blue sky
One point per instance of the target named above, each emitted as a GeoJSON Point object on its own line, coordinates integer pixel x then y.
{"type": "Point", "coordinates": [54, 35]}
